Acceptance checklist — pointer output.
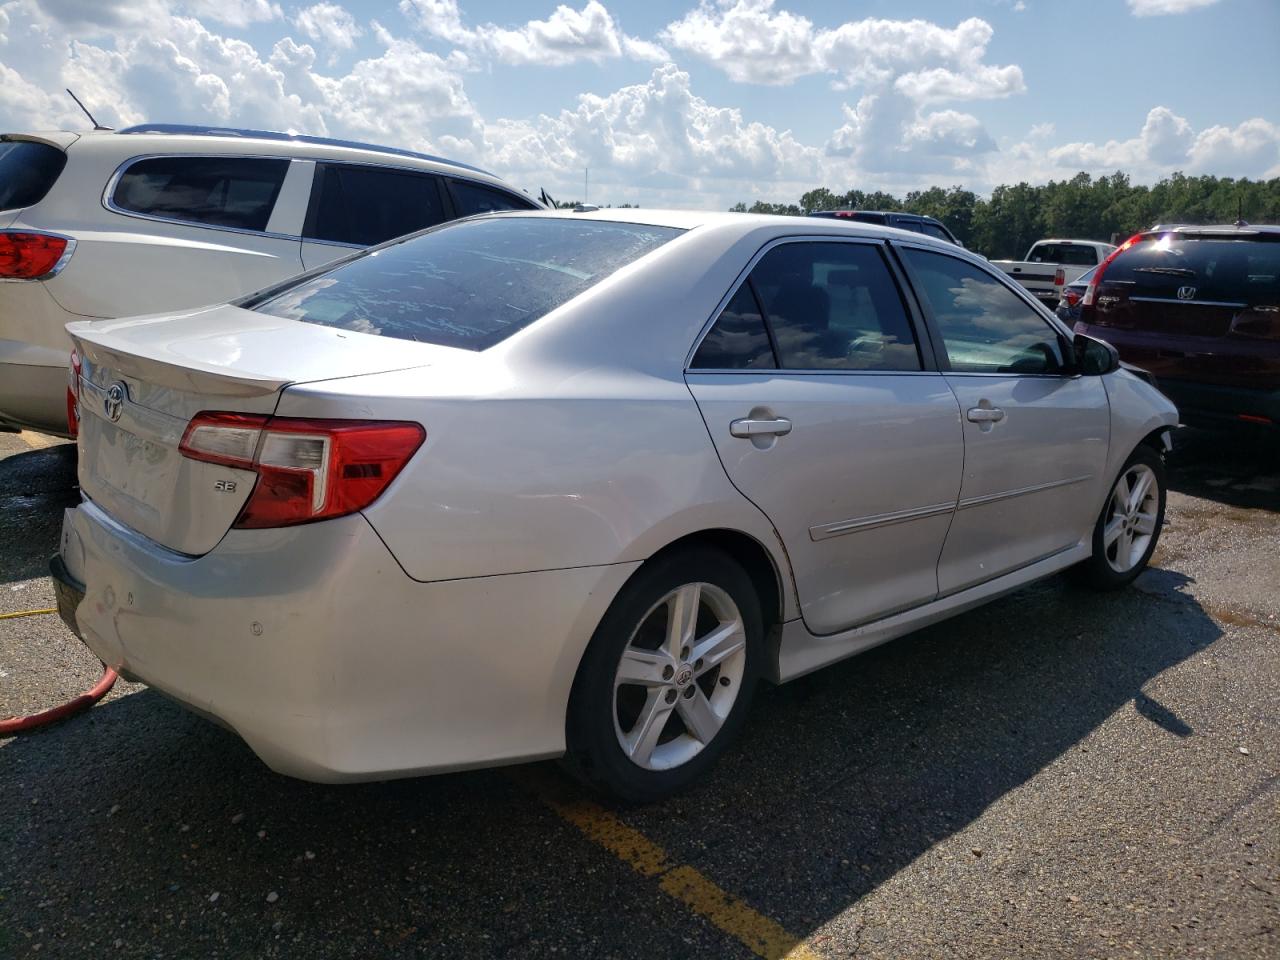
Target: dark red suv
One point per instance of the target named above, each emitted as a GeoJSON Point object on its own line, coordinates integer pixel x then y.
{"type": "Point", "coordinates": [1199, 307]}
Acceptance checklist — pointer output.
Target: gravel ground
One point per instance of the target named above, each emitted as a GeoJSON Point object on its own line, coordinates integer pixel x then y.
{"type": "Point", "coordinates": [1057, 774]}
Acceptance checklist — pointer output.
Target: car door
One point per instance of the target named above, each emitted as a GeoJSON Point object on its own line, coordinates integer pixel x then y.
{"type": "Point", "coordinates": [356, 205]}
{"type": "Point", "coordinates": [829, 416]}
{"type": "Point", "coordinates": [1035, 433]}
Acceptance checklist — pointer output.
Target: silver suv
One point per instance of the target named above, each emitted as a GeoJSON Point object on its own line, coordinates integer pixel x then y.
{"type": "Point", "coordinates": [163, 217]}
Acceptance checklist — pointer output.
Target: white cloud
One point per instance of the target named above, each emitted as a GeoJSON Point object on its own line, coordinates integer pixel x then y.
{"type": "Point", "coordinates": [234, 13]}
{"type": "Point", "coordinates": [754, 43]}
{"type": "Point", "coordinates": [1168, 142]}
{"type": "Point", "coordinates": [567, 36]}
{"type": "Point", "coordinates": [330, 24]}
{"type": "Point", "coordinates": [1152, 8]}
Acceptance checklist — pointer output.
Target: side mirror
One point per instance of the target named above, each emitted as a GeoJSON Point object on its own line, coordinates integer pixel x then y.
{"type": "Point", "coordinates": [1094, 358]}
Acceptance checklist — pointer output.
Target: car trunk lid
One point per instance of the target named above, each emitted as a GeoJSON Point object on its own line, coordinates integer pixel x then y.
{"type": "Point", "coordinates": [143, 379]}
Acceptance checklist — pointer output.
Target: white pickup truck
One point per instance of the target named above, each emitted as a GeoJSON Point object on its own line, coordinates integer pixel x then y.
{"type": "Point", "coordinates": [1052, 264]}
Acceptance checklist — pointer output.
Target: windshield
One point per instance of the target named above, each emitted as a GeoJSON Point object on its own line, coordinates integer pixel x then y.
{"type": "Point", "coordinates": [469, 284]}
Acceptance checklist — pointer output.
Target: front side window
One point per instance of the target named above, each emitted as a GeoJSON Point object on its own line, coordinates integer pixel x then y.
{"type": "Point", "coordinates": [469, 284]}
{"type": "Point", "coordinates": [235, 192]}
{"type": "Point", "coordinates": [738, 339]}
{"type": "Point", "coordinates": [985, 326]}
{"type": "Point", "coordinates": [834, 306]}
{"type": "Point", "coordinates": [471, 198]}
{"type": "Point", "coordinates": [365, 205]}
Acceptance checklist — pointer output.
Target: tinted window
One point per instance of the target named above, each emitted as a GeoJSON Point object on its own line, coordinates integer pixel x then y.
{"type": "Point", "coordinates": [27, 171]}
{"type": "Point", "coordinates": [1072, 254]}
{"type": "Point", "coordinates": [469, 284]}
{"type": "Point", "coordinates": [1229, 270]}
{"type": "Point", "coordinates": [904, 223]}
{"type": "Point", "coordinates": [471, 198]}
{"type": "Point", "coordinates": [834, 306]}
{"type": "Point", "coordinates": [738, 340]}
{"type": "Point", "coordinates": [367, 205]}
{"type": "Point", "coordinates": [879, 218]}
{"type": "Point", "coordinates": [986, 327]}
{"type": "Point", "coordinates": [218, 191]}
{"type": "Point", "coordinates": [933, 230]}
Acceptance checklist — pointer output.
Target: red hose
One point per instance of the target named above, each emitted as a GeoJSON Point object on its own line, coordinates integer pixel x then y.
{"type": "Point", "coordinates": [87, 699]}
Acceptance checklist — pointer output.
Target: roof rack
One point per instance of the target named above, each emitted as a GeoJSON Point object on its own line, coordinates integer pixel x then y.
{"type": "Point", "coordinates": [194, 130]}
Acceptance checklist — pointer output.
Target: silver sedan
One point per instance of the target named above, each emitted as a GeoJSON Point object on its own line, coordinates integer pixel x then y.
{"type": "Point", "coordinates": [569, 484]}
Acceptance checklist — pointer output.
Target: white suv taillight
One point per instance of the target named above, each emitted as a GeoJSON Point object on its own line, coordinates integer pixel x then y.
{"type": "Point", "coordinates": [307, 469]}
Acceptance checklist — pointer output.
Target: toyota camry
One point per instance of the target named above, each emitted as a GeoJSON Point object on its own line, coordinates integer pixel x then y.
{"type": "Point", "coordinates": [555, 484]}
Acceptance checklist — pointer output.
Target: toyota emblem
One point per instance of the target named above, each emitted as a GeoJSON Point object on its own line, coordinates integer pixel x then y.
{"type": "Point", "coordinates": [113, 402]}
{"type": "Point", "coordinates": [1186, 293]}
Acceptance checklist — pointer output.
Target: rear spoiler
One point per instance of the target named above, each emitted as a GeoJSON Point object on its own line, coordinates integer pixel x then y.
{"type": "Point", "coordinates": [61, 139]}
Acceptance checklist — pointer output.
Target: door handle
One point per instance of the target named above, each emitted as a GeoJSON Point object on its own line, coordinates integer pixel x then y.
{"type": "Point", "coordinates": [747, 427]}
{"type": "Point", "coordinates": [985, 414]}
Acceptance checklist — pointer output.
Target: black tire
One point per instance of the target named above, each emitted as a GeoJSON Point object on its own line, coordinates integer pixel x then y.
{"type": "Point", "coordinates": [594, 754]}
{"type": "Point", "coordinates": [1098, 571]}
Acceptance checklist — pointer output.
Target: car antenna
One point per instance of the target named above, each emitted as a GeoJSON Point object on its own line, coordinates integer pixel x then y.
{"type": "Point", "coordinates": [96, 124]}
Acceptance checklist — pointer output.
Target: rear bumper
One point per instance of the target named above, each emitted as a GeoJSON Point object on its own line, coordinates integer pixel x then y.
{"type": "Point", "coordinates": [313, 645]}
{"type": "Point", "coordinates": [1202, 404]}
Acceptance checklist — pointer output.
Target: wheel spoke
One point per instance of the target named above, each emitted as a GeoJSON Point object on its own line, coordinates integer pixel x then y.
{"type": "Point", "coordinates": [1146, 524]}
{"type": "Point", "coordinates": [1125, 554]}
{"type": "Point", "coordinates": [717, 646]}
{"type": "Point", "coordinates": [643, 667]}
{"type": "Point", "coordinates": [649, 726]}
{"type": "Point", "coordinates": [699, 719]}
{"type": "Point", "coordinates": [682, 618]}
{"type": "Point", "coordinates": [1111, 532]}
{"type": "Point", "coordinates": [1140, 487]}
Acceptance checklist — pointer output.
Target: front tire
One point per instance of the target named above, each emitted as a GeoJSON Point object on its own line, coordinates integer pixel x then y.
{"type": "Point", "coordinates": [667, 679]}
{"type": "Point", "coordinates": [1128, 529]}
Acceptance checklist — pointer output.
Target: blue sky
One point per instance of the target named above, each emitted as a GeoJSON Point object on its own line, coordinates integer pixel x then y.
{"type": "Point", "coordinates": [687, 103]}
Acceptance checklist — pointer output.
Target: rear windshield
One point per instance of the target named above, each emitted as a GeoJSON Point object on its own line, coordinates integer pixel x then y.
{"type": "Point", "coordinates": [1190, 268]}
{"type": "Point", "coordinates": [27, 171]}
{"type": "Point", "coordinates": [1071, 254]}
{"type": "Point", "coordinates": [469, 284]}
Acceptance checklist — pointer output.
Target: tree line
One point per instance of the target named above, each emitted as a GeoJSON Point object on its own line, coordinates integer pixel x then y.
{"type": "Point", "coordinates": [1108, 208]}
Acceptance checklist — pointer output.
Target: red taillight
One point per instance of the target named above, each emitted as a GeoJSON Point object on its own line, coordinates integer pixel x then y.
{"type": "Point", "coordinates": [1060, 277]}
{"type": "Point", "coordinates": [1071, 297]}
{"type": "Point", "coordinates": [73, 395]}
{"type": "Point", "coordinates": [307, 469]}
{"type": "Point", "coordinates": [1091, 292]}
{"type": "Point", "coordinates": [29, 256]}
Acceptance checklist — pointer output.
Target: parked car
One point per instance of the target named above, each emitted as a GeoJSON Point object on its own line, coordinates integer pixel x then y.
{"type": "Point", "coordinates": [1200, 308]}
{"type": "Point", "coordinates": [166, 217]}
{"type": "Point", "coordinates": [541, 484]}
{"type": "Point", "coordinates": [903, 221]}
{"type": "Point", "coordinates": [1068, 309]}
{"type": "Point", "coordinates": [1051, 265]}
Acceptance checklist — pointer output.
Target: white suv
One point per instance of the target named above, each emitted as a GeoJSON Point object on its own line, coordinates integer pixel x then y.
{"type": "Point", "coordinates": [162, 217]}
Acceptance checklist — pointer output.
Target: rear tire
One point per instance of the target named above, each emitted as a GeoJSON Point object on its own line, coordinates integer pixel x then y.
{"type": "Point", "coordinates": [667, 679]}
{"type": "Point", "coordinates": [1128, 529]}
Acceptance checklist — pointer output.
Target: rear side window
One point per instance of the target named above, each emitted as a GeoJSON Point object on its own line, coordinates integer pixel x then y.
{"type": "Point", "coordinates": [1187, 268]}
{"type": "Point", "coordinates": [367, 205]}
{"type": "Point", "coordinates": [904, 223]}
{"type": "Point", "coordinates": [738, 339]}
{"type": "Point", "coordinates": [834, 306]}
{"type": "Point", "coordinates": [933, 230]}
{"type": "Point", "coordinates": [1070, 254]}
{"type": "Point", "coordinates": [217, 191]}
{"type": "Point", "coordinates": [469, 284]}
{"type": "Point", "coordinates": [27, 171]}
{"type": "Point", "coordinates": [985, 326]}
{"type": "Point", "coordinates": [471, 198]}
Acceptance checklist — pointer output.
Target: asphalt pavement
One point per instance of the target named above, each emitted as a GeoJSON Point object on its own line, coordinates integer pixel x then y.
{"type": "Point", "coordinates": [1057, 774]}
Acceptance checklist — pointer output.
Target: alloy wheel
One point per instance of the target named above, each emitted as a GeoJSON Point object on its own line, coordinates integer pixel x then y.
{"type": "Point", "coordinates": [679, 676]}
{"type": "Point", "coordinates": [1131, 517]}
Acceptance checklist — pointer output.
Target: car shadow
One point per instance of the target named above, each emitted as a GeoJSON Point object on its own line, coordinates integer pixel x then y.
{"type": "Point", "coordinates": [144, 821]}
{"type": "Point", "coordinates": [35, 486]}
{"type": "Point", "coordinates": [1236, 467]}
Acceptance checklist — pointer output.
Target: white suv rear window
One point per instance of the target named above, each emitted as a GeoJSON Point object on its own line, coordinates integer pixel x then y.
{"type": "Point", "coordinates": [235, 192]}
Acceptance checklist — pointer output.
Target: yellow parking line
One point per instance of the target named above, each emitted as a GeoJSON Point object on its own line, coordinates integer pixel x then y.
{"type": "Point", "coordinates": [752, 929]}
{"type": "Point", "coordinates": [27, 613]}
{"type": "Point", "coordinates": [37, 441]}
